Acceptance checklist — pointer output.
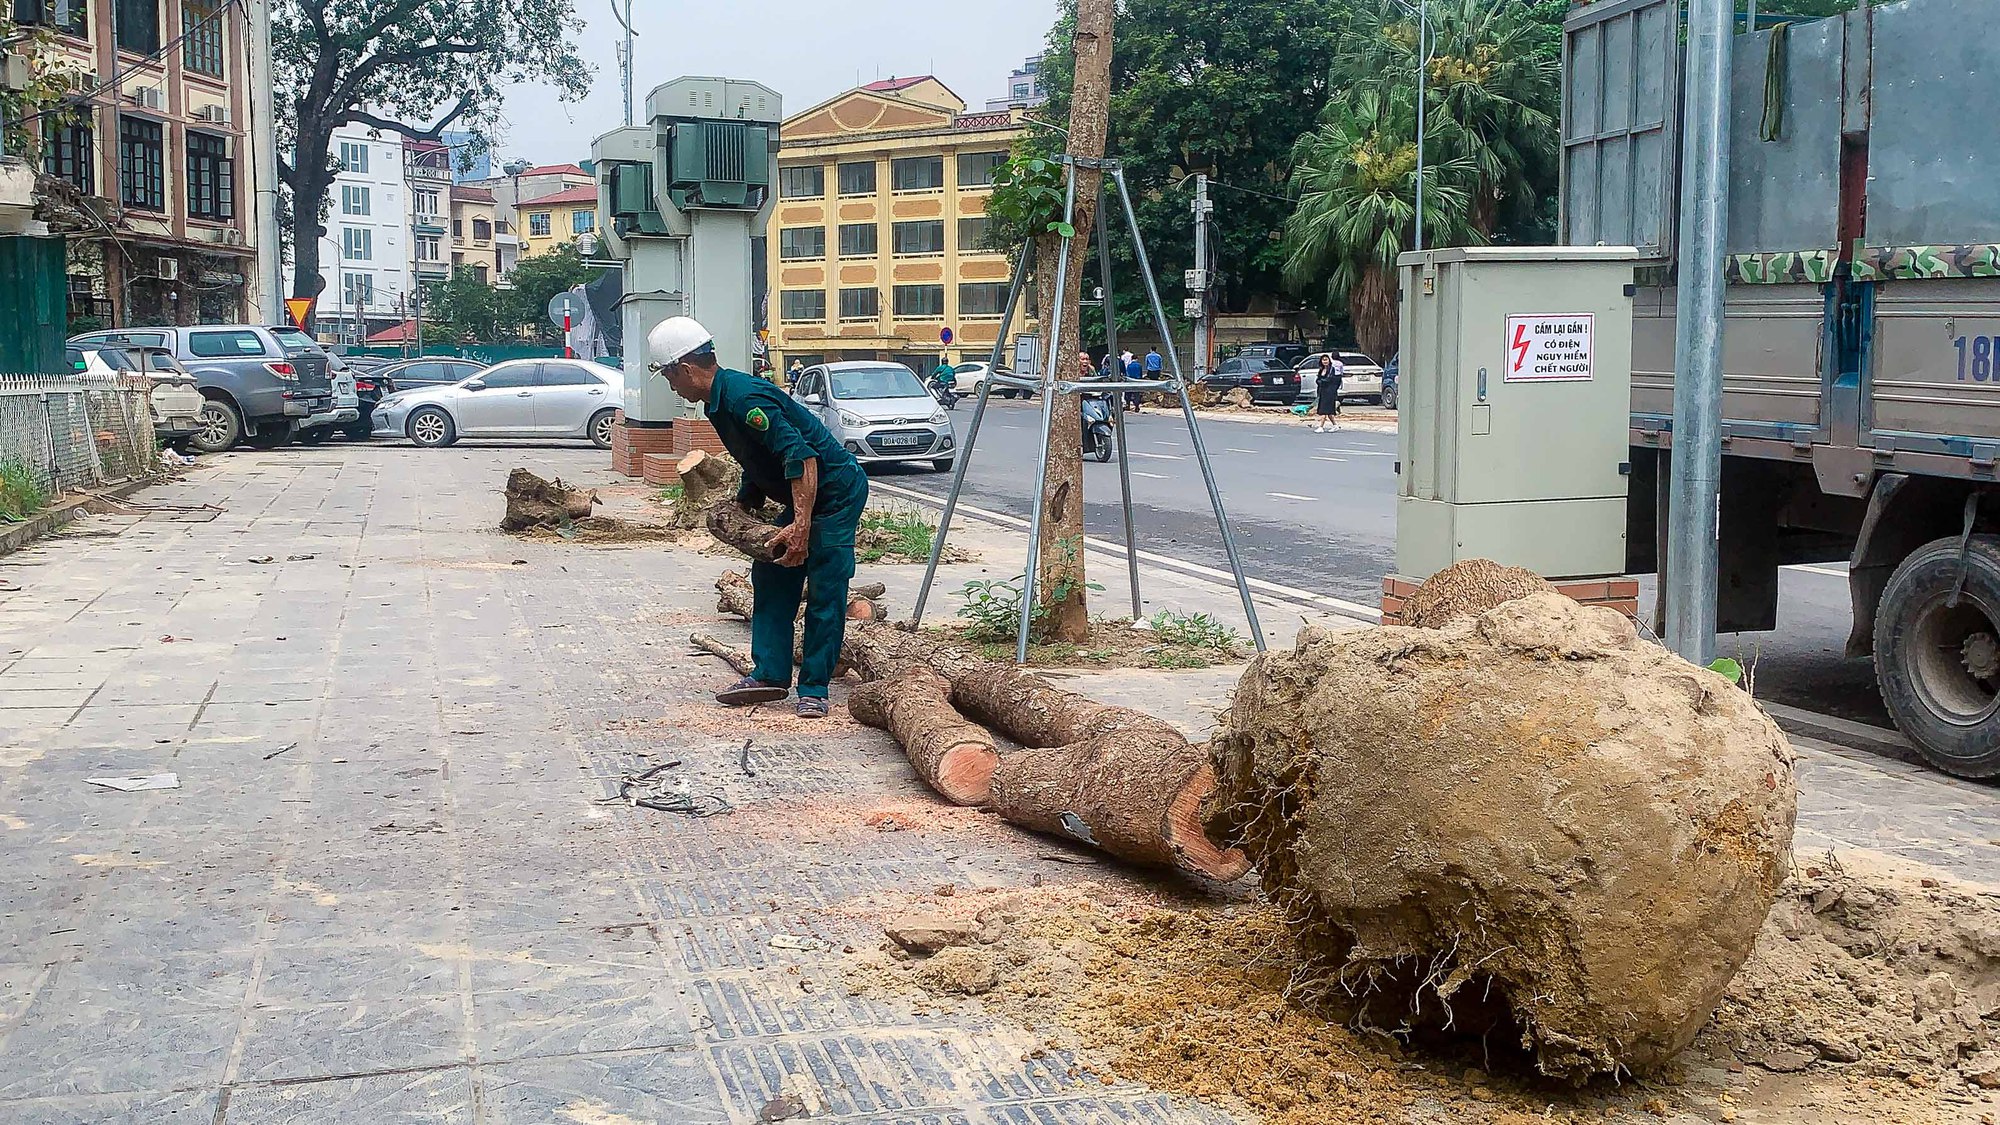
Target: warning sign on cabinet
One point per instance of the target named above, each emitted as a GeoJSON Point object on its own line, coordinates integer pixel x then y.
{"type": "Point", "coordinates": [1548, 348]}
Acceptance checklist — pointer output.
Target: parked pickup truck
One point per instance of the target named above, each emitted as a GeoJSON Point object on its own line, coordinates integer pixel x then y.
{"type": "Point", "coordinates": [252, 389]}
{"type": "Point", "coordinates": [1861, 339]}
{"type": "Point", "coordinates": [172, 398]}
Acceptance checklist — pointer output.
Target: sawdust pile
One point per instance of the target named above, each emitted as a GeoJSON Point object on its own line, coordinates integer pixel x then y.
{"type": "Point", "coordinates": [1527, 825]}
{"type": "Point", "coordinates": [1467, 589]}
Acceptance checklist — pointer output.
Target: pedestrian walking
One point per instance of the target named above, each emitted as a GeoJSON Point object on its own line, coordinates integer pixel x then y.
{"type": "Point", "coordinates": [1134, 371]}
{"type": "Point", "coordinates": [1326, 385]}
{"type": "Point", "coordinates": [793, 372]}
{"type": "Point", "coordinates": [787, 456]}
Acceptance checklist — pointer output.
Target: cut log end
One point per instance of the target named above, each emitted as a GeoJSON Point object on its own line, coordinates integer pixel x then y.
{"type": "Point", "coordinates": [1182, 828]}
{"type": "Point", "coordinates": [965, 772]}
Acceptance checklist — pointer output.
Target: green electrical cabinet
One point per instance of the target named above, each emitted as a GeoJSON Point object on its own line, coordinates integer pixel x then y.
{"type": "Point", "coordinates": [34, 301]}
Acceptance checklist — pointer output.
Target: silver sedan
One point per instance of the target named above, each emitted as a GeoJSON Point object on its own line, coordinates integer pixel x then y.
{"type": "Point", "coordinates": [521, 398]}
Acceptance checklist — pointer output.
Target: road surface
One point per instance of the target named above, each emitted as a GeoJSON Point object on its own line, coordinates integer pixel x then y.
{"type": "Point", "coordinates": [1317, 512]}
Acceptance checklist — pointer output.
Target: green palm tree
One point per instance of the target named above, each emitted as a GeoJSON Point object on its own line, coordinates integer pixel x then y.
{"type": "Point", "coordinates": [1355, 181]}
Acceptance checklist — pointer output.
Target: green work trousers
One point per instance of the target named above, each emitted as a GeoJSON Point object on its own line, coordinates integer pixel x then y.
{"type": "Point", "coordinates": [822, 583]}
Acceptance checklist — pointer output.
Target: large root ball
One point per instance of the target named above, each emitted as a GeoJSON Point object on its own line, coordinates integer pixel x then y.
{"type": "Point", "coordinates": [1529, 821]}
{"type": "Point", "coordinates": [1468, 588]}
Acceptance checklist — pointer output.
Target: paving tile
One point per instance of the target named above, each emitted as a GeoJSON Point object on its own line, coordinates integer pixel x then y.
{"type": "Point", "coordinates": [337, 972]}
{"type": "Point", "coordinates": [648, 1086]}
{"type": "Point", "coordinates": [430, 1097]}
{"type": "Point", "coordinates": [65, 1045]}
{"type": "Point", "coordinates": [352, 1038]}
{"type": "Point", "coordinates": [645, 1011]}
{"type": "Point", "coordinates": [146, 1107]}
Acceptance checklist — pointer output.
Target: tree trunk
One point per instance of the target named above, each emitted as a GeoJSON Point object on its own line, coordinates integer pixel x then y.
{"type": "Point", "coordinates": [735, 658]}
{"type": "Point", "coordinates": [1109, 776]}
{"type": "Point", "coordinates": [534, 502]}
{"type": "Point", "coordinates": [954, 757]}
{"type": "Point", "coordinates": [733, 596]}
{"type": "Point", "coordinates": [706, 479]}
{"type": "Point", "coordinates": [1059, 569]}
{"type": "Point", "coordinates": [728, 522]}
{"type": "Point", "coordinates": [1372, 305]}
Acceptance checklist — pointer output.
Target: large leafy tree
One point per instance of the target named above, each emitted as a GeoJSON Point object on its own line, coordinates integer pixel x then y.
{"type": "Point", "coordinates": [387, 63]}
{"type": "Point", "coordinates": [464, 308]}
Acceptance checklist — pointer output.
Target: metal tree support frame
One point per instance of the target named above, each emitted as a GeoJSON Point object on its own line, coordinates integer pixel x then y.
{"type": "Point", "coordinates": [1048, 385]}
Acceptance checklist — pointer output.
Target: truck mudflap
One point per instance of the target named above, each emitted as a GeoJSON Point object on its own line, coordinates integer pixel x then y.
{"type": "Point", "coordinates": [1873, 561]}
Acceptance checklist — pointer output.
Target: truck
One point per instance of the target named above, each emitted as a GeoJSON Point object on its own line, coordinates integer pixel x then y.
{"type": "Point", "coordinates": [1861, 341]}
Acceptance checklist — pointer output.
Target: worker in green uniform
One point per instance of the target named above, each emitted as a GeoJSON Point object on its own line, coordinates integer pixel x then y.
{"type": "Point", "coordinates": [789, 457]}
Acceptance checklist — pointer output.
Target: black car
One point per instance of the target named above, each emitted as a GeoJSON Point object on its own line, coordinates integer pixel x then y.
{"type": "Point", "coordinates": [1267, 379]}
{"type": "Point", "coordinates": [1287, 354]}
{"type": "Point", "coordinates": [430, 371]}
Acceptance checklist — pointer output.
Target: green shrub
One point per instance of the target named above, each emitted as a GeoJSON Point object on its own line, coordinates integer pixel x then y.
{"type": "Point", "coordinates": [21, 495]}
{"type": "Point", "coordinates": [1197, 631]}
{"type": "Point", "coordinates": [902, 533]}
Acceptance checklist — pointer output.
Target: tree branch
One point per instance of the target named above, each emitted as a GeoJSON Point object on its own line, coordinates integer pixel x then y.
{"type": "Point", "coordinates": [366, 68]}
{"type": "Point", "coordinates": [411, 131]}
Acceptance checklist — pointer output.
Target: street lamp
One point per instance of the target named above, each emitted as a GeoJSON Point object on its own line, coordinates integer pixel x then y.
{"type": "Point", "coordinates": [1422, 11]}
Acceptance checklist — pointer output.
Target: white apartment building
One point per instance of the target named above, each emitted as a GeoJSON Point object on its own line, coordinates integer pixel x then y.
{"type": "Point", "coordinates": [367, 256]}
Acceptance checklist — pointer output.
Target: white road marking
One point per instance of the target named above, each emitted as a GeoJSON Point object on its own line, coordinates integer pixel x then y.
{"type": "Point", "coordinates": [1240, 451]}
{"type": "Point", "coordinates": [1346, 608]}
{"type": "Point", "coordinates": [1342, 460]}
{"type": "Point", "coordinates": [1289, 496]}
{"type": "Point", "coordinates": [1151, 476]}
{"type": "Point", "coordinates": [1362, 453]}
{"type": "Point", "coordinates": [1157, 456]}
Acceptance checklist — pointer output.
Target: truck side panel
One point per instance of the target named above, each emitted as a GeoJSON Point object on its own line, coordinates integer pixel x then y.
{"type": "Point", "coordinates": [1933, 369]}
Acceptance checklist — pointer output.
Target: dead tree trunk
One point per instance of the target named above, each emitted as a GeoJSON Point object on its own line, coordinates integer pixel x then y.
{"type": "Point", "coordinates": [730, 524]}
{"type": "Point", "coordinates": [954, 757]}
{"type": "Point", "coordinates": [1059, 569]}
{"type": "Point", "coordinates": [735, 658]}
{"type": "Point", "coordinates": [534, 502]}
{"type": "Point", "coordinates": [706, 479]}
{"type": "Point", "coordinates": [1108, 776]}
{"type": "Point", "coordinates": [733, 595]}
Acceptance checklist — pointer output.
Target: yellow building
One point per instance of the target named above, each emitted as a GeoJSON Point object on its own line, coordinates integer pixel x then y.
{"type": "Point", "coordinates": [472, 244]}
{"type": "Point", "coordinates": [556, 220]}
{"type": "Point", "coordinates": [877, 242]}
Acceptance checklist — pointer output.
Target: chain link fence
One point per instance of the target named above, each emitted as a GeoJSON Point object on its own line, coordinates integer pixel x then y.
{"type": "Point", "coordinates": [69, 432]}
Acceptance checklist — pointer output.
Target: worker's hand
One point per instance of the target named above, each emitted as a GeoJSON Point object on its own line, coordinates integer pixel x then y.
{"type": "Point", "coordinates": [789, 545]}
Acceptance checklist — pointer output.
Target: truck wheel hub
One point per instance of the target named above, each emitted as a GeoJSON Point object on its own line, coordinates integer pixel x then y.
{"type": "Point", "coordinates": [1981, 653]}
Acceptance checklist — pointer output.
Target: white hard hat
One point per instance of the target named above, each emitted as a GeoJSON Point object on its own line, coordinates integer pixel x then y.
{"type": "Point", "coordinates": [676, 338]}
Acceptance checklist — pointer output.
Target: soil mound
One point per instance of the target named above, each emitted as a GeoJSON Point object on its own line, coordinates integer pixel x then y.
{"type": "Point", "coordinates": [1467, 589]}
{"type": "Point", "coordinates": [1529, 823]}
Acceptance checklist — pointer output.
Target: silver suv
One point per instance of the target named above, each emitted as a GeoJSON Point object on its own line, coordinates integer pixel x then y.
{"type": "Point", "coordinates": [879, 411]}
{"type": "Point", "coordinates": [250, 385]}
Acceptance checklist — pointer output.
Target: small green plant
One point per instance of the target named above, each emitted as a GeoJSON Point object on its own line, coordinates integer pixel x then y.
{"type": "Point", "coordinates": [903, 533]}
{"type": "Point", "coordinates": [21, 495]}
{"type": "Point", "coordinates": [1196, 631]}
{"type": "Point", "coordinates": [992, 609]}
{"type": "Point", "coordinates": [672, 494]}
{"type": "Point", "coordinates": [1729, 669]}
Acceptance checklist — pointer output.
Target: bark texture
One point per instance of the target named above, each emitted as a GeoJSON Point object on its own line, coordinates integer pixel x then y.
{"type": "Point", "coordinates": [1529, 824]}
{"type": "Point", "coordinates": [1469, 588]}
{"type": "Point", "coordinates": [534, 502]}
{"type": "Point", "coordinates": [706, 479]}
{"type": "Point", "coordinates": [748, 533]}
{"type": "Point", "coordinates": [734, 596]}
{"type": "Point", "coordinates": [1059, 569]}
{"type": "Point", "coordinates": [1108, 776]}
{"type": "Point", "coordinates": [735, 658]}
{"type": "Point", "coordinates": [954, 757]}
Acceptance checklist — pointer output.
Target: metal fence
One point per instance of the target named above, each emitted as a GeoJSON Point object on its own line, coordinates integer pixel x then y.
{"type": "Point", "coordinates": [77, 431]}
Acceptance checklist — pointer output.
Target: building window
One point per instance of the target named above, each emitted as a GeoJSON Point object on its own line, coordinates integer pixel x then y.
{"type": "Point", "coordinates": [211, 178]}
{"type": "Point", "coordinates": [68, 153]}
{"type": "Point", "coordinates": [857, 240]}
{"type": "Point", "coordinates": [802, 242]}
{"type": "Point", "coordinates": [973, 232]}
{"type": "Point", "coordinates": [359, 289]}
{"type": "Point", "coordinates": [354, 200]}
{"type": "Point", "coordinates": [428, 248]}
{"type": "Point", "coordinates": [917, 173]}
{"type": "Point", "coordinates": [425, 200]}
{"type": "Point", "coordinates": [802, 182]}
{"type": "Point", "coordinates": [482, 232]}
{"type": "Point", "coordinates": [860, 304]}
{"type": "Point", "coordinates": [142, 164]}
{"type": "Point", "coordinates": [582, 222]}
{"type": "Point", "coordinates": [1021, 91]}
{"type": "Point", "coordinates": [353, 156]}
{"type": "Point", "coordinates": [357, 244]}
{"type": "Point", "coordinates": [539, 225]}
{"type": "Point", "coordinates": [479, 274]}
{"type": "Point", "coordinates": [925, 237]}
{"type": "Point", "coordinates": [975, 169]}
{"type": "Point", "coordinates": [457, 229]}
{"type": "Point", "coordinates": [138, 25]}
{"type": "Point", "coordinates": [858, 178]}
{"type": "Point", "coordinates": [982, 298]}
{"type": "Point", "coordinates": [71, 17]}
{"type": "Point", "coordinates": [201, 36]}
{"type": "Point", "coordinates": [802, 304]}
{"type": "Point", "coordinates": [919, 300]}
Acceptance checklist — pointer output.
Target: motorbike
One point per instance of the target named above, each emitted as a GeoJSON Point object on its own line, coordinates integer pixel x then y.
{"type": "Point", "coordinates": [942, 389]}
{"type": "Point", "coordinates": [1097, 427]}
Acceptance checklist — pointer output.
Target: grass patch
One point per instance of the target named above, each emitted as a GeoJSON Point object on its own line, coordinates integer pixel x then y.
{"type": "Point", "coordinates": [991, 614]}
{"type": "Point", "coordinates": [896, 534]}
{"type": "Point", "coordinates": [671, 494]}
{"type": "Point", "coordinates": [21, 495]}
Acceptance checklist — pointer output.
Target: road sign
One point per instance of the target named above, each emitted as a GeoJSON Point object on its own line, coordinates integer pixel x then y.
{"type": "Point", "coordinates": [944, 335]}
{"type": "Point", "coordinates": [300, 309]}
{"type": "Point", "coordinates": [565, 306]}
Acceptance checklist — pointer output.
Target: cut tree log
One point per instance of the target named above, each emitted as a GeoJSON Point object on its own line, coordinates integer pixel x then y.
{"type": "Point", "coordinates": [534, 502]}
{"type": "Point", "coordinates": [733, 595]}
{"type": "Point", "coordinates": [735, 658]}
{"type": "Point", "coordinates": [706, 479]}
{"type": "Point", "coordinates": [1112, 777]}
{"type": "Point", "coordinates": [745, 531]}
{"type": "Point", "coordinates": [953, 756]}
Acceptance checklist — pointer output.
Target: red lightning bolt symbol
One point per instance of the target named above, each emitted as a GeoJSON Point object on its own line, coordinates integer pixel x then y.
{"type": "Point", "coordinates": [1520, 345]}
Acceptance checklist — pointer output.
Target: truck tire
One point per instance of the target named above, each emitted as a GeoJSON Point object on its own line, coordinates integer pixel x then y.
{"type": "Point", "coordinates": [1939, 665]}
{"type": "Point", "coordinates": [220, 427]}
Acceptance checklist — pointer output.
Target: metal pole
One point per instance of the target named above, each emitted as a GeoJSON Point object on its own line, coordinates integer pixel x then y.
{"type": "Point", "coordinates": [628, 62]}
{"type": "Point", "coordinates": [1201, 210]}
{"type": "Point", "coordinates": [1688, 574]}
{"type": "Point", "coordinates": [1423, 83]}
{"type": "Point", "coordinates": [1118, 397]}
{"type": "Point", "coordinates": [964, 458]}
{"type": "Point", "coordinates": [1187, 412]}
{"type": "Point", "coordinates": [1048, 419]}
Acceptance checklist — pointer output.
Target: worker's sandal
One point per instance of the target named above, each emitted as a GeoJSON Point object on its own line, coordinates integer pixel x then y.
{"type": "Point", "coordinates": [749, 690]}
{"type": "Point", "coordinates": [811, 707]}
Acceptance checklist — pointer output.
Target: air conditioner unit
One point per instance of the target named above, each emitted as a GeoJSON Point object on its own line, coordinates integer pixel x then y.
{"type": "Point", "coordinates": [167, 269]}
{"type": "Point", "coordinates": [15, 72]}
{"type": "Point", "coordinates": [232, 236]}
{"type": "Point", "coordinates": [150, 97]}
{"type": "Point", "coordinates": [216, 113]}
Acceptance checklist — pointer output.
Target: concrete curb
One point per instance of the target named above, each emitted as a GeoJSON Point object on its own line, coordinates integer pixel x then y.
{"type": "Point", "coordinates": [65, 512]}
{"type": "Point", "coordinates": [1841, 732]}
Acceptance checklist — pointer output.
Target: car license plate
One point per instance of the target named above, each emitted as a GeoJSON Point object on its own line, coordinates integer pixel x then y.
{"type": "Point", "coordinates": [1278, 380]}
{"type": "Point", "coordinates": [905, 439]}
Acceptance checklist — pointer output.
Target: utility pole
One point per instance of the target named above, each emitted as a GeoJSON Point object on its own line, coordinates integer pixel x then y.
{"type": "Point", "coordinates": [1688, 575]}
{"type": "Point", "coordinates": [625, 54]}
{"type": "Point", "coordinates": [1202, 209]}
{"type": "Point", "coordinates": [264, 164]}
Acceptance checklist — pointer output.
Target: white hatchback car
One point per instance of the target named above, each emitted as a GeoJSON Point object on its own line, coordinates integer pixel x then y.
{"type": "Point", "coordinates": [879, 412]}
{"type": "Point", "coordinates": [521, 398]}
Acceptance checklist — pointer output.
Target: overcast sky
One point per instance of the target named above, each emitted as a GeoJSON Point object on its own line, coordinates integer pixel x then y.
{"type": "Point", "coordinates": [807, 50]}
